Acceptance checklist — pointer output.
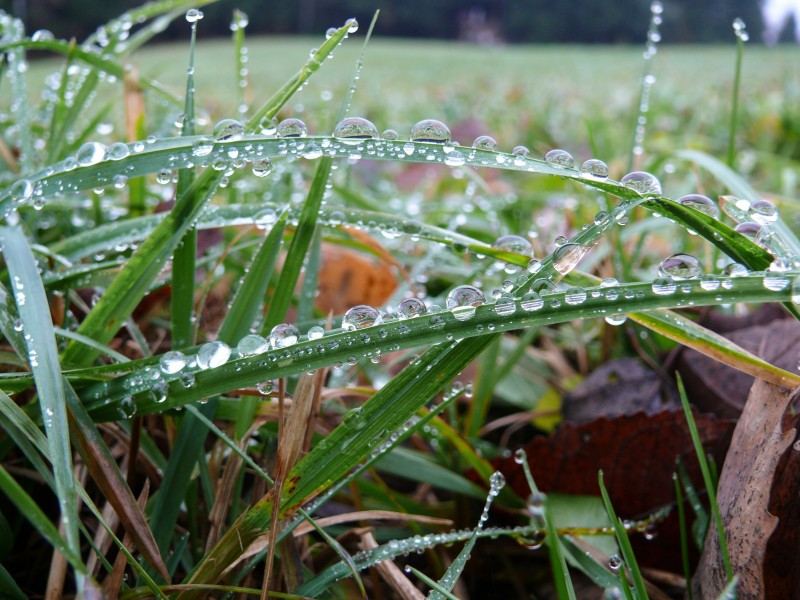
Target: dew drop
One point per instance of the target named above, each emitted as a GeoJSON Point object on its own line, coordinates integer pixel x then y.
{"type": "Point", "coordinates": [594, 169]}
{"type": "Point", "coordinates": [664, 286]}
{"type": "Point", "coordinates": [559, 158]}
{"type": "Point", "coordinates": [292, 128]}
{"type": "Point", "coordinates": [283, 336]}
{"type": "Point", "coordinates": [430, 130]}
{"type": "Point", "coordinates": [355, 129]}
{"type": "Point", "coordinates": [574, 296]}
{"type": "Point", "coordinates": [534, 266]}
{"type": "Point", "coordinates": [193, 15]}
{"type": "Point", "coordinates": [614, 562]}
{"type": "Point", "coordinates": [644, 183]}
{"type": "Point", "coordinates": [513, 243]}
{"type": "Point", "coordinates": [454, 158]}
{"type": "Point", "coordinates": [411, 307]}
{"type": "Point", "coordinates": [262, 167]}
{"type": "Point", "coordinates": [505, 306]}
{"type": "Point", "coordinates": [566, 257]}
{"type": "Point", "coordinates": [463, 301]}
{"type": "Point", "coordinates": [485, 142]}
{"type": "Point", "coordinates": [520, 456]}
{"type": "Point", "coordinates": [22, 190]}
{"type": "Point", "coordinates": [390, 135]}
{"type": "Point", "coordinates": [315, 332]}
{"type": "Point", "coordinates": [265, 387]}
{"type": "Point", "coordinates": [90, 153]}
{"type": "Point", "coordinates": [228, 130]}
{"type": "Point", "coordinates": [701, 204]}
{"type": "Point", "coordinates": [616, 319]}
{"type": "Point", "coordinates": [763, 212]}
{"type": "Point", "coordinates": [172, 362]}
{"type": "Point", "coordinates": [735, 270]}
{"type": "Point", "coordinates": [709, 282]}
{"type": "Point", "coordinates": [252, 344]}
{"type": "Point", "coordinates": [118, 151]}
{"type": "Point", "coordinates": [531, 301]}
{"type": "Point", "coordinates": [361, 316]}
{"type": "Point", "coordinates": [680, 267]}
{"type": "Point", "coordinates": [212, 355]}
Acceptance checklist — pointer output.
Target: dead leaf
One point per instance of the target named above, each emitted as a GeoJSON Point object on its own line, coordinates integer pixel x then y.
{"type": "Point", "coordinates": [347, 278]}
{"type": "Point", "coordinates": [758, 443]}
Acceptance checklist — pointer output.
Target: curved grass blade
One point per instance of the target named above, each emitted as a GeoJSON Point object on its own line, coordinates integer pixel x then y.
{"type": "Point", "coordinates": [34, 312]}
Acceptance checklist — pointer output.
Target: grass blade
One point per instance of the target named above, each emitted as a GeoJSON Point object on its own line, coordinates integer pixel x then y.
{"type": "Point", "coordinates": [34, 312]}
{"type": "Point", "coordinates": [687, 570]}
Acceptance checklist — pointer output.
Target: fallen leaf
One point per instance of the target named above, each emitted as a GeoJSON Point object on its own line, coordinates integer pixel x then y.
{"type": "Point", "coordinates": [347, 278]}
{"type": "Point", "coordinates": [759, 441]}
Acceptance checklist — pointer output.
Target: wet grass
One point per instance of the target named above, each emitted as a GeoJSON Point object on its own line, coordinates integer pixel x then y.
{"type": "Point", "coordinates": [249, 400]}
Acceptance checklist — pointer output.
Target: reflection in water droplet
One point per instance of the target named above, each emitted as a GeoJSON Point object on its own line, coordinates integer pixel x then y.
{"type": "Point", "coordinates": [252, 344]}
{"type": "Point", "coordinates": [485, 142]}
{"type": "Point", "coordinates": [228, 130]}
{"type": "Point", "coordinates": [664, 286]}
{"type": "Point", "coordinates": [680, 267]}
{"type": "Point", "coordinates": [463, 300]}
{"type": "Point", "coordinates": [212, 355]}
{"type": "Point", "coordinates": [763, 212]}
{"type": "Point", "coordinates": [644, 183]}
{"type": "Point", "coordinates": [559, 158]}
{"type": "Point", "coordinates": [361, 316]}
{"type": "Point", "coordinates": [566, 257]}
{"type": "Point", "coordinates": [292, 128]}
{"type": "Point", "coordinates": [172, 362]}
{"type": "Point", "coordinates": [411, 307]}
{"type": "Point", "coordinates": [595, 169]}
{"type": "Point", "coordinates": [283, 335]}
{"type": "Point", "coordinates": [355, 128]}
{"type": "Point", "coordinates": [701, 204]}
{"type": "Point", "coordinates": [430, 130]}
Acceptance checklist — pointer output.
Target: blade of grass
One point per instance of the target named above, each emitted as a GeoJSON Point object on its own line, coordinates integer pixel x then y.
{"type": "Point", "coordinates": [737, 81]}
{"type": "Point", "coordinates": [34, 312]}
{"type": "Point", "coordinates": [687, 570]}
{"type": "Point", "coordinates": [710, 488]}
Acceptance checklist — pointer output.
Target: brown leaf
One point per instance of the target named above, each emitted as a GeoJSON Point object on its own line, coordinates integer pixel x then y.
{"type": "Point", "coordinates": [758, 442]}
{"type": "Point", "coordinates": [347, 278]}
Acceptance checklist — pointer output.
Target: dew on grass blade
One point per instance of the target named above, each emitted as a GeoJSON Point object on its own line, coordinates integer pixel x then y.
{"type": "Point", "coordinates": [454, 158]}
{"type": "Point", "coordinates": [22, 190]}
{"type": "Point", "coordinates": [172, 362]}
{"type": "Point", "coordinates": [283, 336]}
{"type": "Point", "coordinates": [390, 135]}
{"type": "Point", "coordinates": [505, 306]}
{"type": "Point", "coordinates": [90, 153]}
{"type": "Point", "coordinates": [202, 147]}
{"type": "Point", "coordinates": [664, 286]}
{"type": "Point", "coordinates": [513, 243]}
{"type": "Point", "coordinates": [228, 130]}
{"type": "Point", "coordinates": [735, 270]}
{"type": "Point", "coordinates": [575, 296]}
{"type": "Point", "coordinates": [361, 316]}
{"type": "Point", "coordinates": [680, 266]}
{"type": "Point", "coordinates": [411, 307]}
{"type": "Point", "coordinates": [594, 169]}
{"type": "Point", "coordinates": [292, 128]}
{"type": "Point", "coordinates": [262, 167]}
{"type": "Point", "coordinates": [700, 203]}
{"type": "Point", "coordinates": [645, 183]}
{"type": "Point", "coordinates": [614, 562]}
{"type": "Point", "coordinates": [749, 229]}
{"type": "Point", "coordinates": [355, 129]}
{"type": "Point", "coordinates": [566, 257]}
{"type": "Point", "coordinates": [212, 355]}
{"type": "Point", "coordinates": [315, 332]}
{"type": "Point", "coordinates": [252, 344]}
{"type": "Point", "coordinates": [559, 158]}
{"type": "Point", "coordinates": [463, 300]}
{"type": "Point", "coordinates": [485, 142]}
{"type": "Point", "coordinates": [616, 319]}
{"type": "Point", "coordinates": [193, 15]}
{"type": "Point", "coordinates": [430, 130]}
{"type": "Point", "coordinates": [763, 212]}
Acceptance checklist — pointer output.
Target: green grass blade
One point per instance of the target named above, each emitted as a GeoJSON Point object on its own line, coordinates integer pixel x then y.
{"type": "Point", "coordinates": [722, 540]}
{"type": "Point", "coordinates": [249, 299]}
{"type": "Point", "coordinates": [34, 312]}
{"type": "Point", "coordinates": [737, 80]}
{"type": "Point", "coordinates": [295, 255]}
{"type": "Point", "coordinates": [687, 570]}
{"type": "Point", "coordinates": [415, 466]}
{"type": "Point", "coordinates": [558, 563]}
{"type": "Point", "coordinates": [624, 545]}
{"type": "Point", "coordinates": [435, 586]}
{"type": "Point", "coordinates": [10, 586]}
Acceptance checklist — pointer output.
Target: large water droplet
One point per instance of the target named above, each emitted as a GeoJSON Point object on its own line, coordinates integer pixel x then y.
{"type": "Point", "coordinates": [700, 203]}
{"type": "Point", "coordinates": [202, 146]}
{"type": "Point", "coordinates": [356, 129]}
{"type": "Point", "coordinates": [22, 190]}
{"type": "Point", "coordinates": [411, 307]}
{"type": "Point", "coordinates": [531, 301]}
{"type": "Point", "coordinates": [212, 355]}
{"type": "Point", "coordinates": [505, 306]}
{"type": "Point", "coordinates": [430, 130]}
{"type": "Point", "coordinates": [463, 300]}
{"type": "Point", "coordinates": [513, 243]}
{"type": "Point", "coordinates": [485, 142]}
{"type": "Point", "coordinates": [283, 336]}
{"type": "Point", "coordinates": [228, 130]}
{"type": "Point", "coordinates": [645, 183]}
{"type": "Point", "coordinates": [90, 153]}
{"type": "Point", "coordinates": [193, 15]}
{"type": "Point", "coordinates": [454, 158]}
{"type": "Point", "coordinates": [559, 158]}
{"type": "Point", "coordinates": [575, 296]}
{"type": "Point", "coordinates": [118, 151]}
{"type": "Point", "coordinates": [664, 286]}
{"type": "Point", "coordinates": [594, 169]}
{"type": "Point", "coordinates": [361, 316]}
{"type": "Point", "coordinates": [680, 266]}
{"type": "Point", "coordinates": [292, 128]}
{"type": "Point", "coordinates": [566, 257]}
{"type": "Point", "coordinates": [172, 362]}
{"type": "Point", "coordinates": [763, 212]}
{"type": "Point", "coordinates": [252, 344]}
{"type": "Point", "coordinates": [262, 167]}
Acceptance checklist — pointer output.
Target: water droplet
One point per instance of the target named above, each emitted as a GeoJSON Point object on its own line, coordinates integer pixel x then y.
{"type": "Point", "coordinates": [616, 319]}
{"type": "Point", "coordinates": [193, 15]}
{"type": "Point", "coordinates": [118, 151]}
{"type": "Point", "coordinates": [90, 153]}
{"type": "Point", "coordinates": [559, 158]}
{"type": "Point", "coordinates": [353, 26]}
{"type": "Point", "coordinates": [709, 282]}
{"type": "Point", "coordinates": [265, 387]}
{"type": "Point", "coordinates": [497, 481]}
{"type": "Point", "coordinates": [329, 33]}
{"type": "Point", "coordinates": [520, 456]}
{"type": "Point", "coordinates": [531, 301]}
{"type": "Point", "coordinates": [430, 130]}
{"type": "Point", "coordinates": [361, 316]}
{"type": "Point", "coordinates": [228, 130]}
{"type": "Point", "coordinates": [664, 286]}
{"type": "Point", "coordinates": [411, 307]}
{"type": "Point", "coordinates": [644, 183]}
{"type": "Point", "coordinates": [390, 135]}
{"type": "Point", "coordinates": [763, 212]}
{"type": "Point", "coordinates": [485, 142]}
{"type": "Point", "coordinates": [356, 129]}
{"type": "Point", "coordinates": [513, 243]}
{"type": "Point", "coordinates": [262, 167]}
{"type": "Point", "coordinates": [701, 204]}
{"type": "Point", "coordinates": [574, 296]}
{"type": "Point", "coordinates": [315, 332]}
{"type": "Point", "coordinates": [594, 169]}
{"type": "Point", "coordinates": [534, 266]}
{"type": "Point", "coordinates": [735, 270]}
{"type": "Point", "coordinates": [292, 128]}
{"type": "Point", "coordinates": [212, 355]}
{"type": "Point", "coordinates": [172, 362]}
{"type": "Point", "coordinates": [775, 283]}
{"type": "Point", "coordinates": [463, 300]}
{"type": "Point", "coordinates": [505, 306]}
{"type": "Point", "coordinates": [614, 562]}
{"type": "Point", "coordinates": [680, 267]}
{"type": "Point", "coordinates": [749, 229]}
{"type": "Point", "coordinates": [283, 336]}
{"type": "Point", "coordinates": [22, 190]}
{"type": "Point", "coordinates": [566, 257]}
{"type": "Point", "coordinates": [454, 158]}
{"type": "Point", "coordinates": [252, 344]}
{"type": "Point", "coordinates": [521, 152]}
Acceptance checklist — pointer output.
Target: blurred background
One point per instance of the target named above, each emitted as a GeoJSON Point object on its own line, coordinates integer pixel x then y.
{"type": "Point", "coordinates": [485, 22]}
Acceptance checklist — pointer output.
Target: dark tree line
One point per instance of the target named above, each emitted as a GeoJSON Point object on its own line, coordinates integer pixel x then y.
{"type": "Point", "coordinates": [512, 21]}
